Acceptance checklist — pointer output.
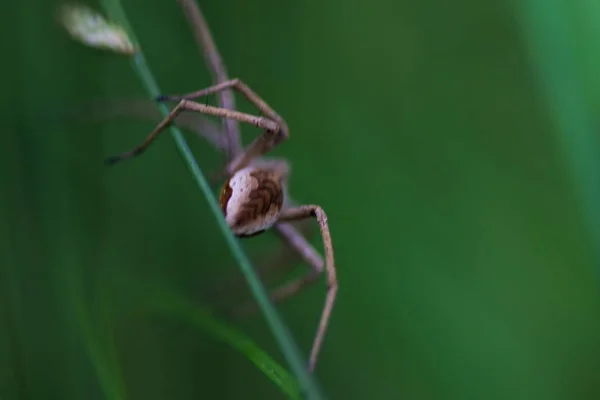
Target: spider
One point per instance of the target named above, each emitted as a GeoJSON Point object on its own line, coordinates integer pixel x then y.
{"type": "Point", "coordinates": [252, 198]}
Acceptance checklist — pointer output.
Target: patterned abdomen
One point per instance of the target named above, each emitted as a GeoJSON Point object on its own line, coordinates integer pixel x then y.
{"type": "Point", "coordinates": [251, 201]}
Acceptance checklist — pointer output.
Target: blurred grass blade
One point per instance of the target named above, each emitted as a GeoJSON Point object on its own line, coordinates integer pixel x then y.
{"type": "Point", "coordinates": [174, 305]}
{"type": "Point", "coordinates": [105, 366]}
{"type": "Point", "coordinates": [289, 349]}
{"type": "Point", "coordinates": [552, 50]}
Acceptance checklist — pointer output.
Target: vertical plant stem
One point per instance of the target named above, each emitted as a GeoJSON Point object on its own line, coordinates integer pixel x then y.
{"type": "Point", "coordinates": [290, 351]}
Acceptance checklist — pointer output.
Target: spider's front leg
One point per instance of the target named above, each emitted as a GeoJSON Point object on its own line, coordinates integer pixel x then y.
{"type": "Point", "coordinates": [274, 133]}
{"type": "Point", "coordinates": [187, 105]}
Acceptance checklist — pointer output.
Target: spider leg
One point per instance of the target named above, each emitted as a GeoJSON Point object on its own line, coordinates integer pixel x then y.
{"type": "Point", "coordinates": [261, 145]}
{"type": "Point", "coordinates": [270, 268]}
{"type": "Point", "coordinates": [145, 110]}
{"type": "Point", "coordinates": [271, 128]}
{"type": "Point", "coordinates": [291, 288]}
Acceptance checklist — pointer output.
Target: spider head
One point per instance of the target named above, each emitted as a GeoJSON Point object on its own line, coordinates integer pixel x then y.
{"type": "Point", "coordinates": [251, 200]}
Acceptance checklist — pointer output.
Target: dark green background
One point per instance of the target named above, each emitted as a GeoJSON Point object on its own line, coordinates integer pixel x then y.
{"type": "Point", "coordinates": [465, 267]}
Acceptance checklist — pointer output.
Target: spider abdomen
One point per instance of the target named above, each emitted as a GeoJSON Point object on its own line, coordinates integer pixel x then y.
{"type": "Point", "coordinates": [251, 201]}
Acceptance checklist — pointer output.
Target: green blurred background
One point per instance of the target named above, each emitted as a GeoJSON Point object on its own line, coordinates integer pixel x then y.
{"type": "Point", "coordinates": [428, 131]}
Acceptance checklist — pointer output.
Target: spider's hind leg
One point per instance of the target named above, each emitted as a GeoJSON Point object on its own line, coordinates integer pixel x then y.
{"type": "Point", "coordinates": [272, 268]}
